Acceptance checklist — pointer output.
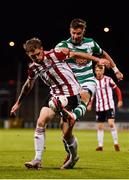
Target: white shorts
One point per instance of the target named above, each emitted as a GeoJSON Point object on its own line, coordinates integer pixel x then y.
{"type": "Point", "coordinates": [89, 86]}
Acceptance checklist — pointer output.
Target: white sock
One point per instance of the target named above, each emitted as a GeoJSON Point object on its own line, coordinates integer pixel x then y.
{"type": "Point", "coordinates": [100, 136]}
{"type": "Point", "coordinates": [114, 135]}
{"type": "Point", "coordinates": [39, 140]}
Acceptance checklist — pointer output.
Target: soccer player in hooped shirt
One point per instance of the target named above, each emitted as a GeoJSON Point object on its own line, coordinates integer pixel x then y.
{"type": "Point", "coordinates": [56, 73]}
{"type": "Point", "coordinates": [105, 106]}
{"type": "Point", "coordinates": [84, 70]}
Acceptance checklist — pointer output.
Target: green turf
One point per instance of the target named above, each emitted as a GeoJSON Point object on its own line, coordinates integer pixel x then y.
{"type": "Point", "coordinates": [16, 147]}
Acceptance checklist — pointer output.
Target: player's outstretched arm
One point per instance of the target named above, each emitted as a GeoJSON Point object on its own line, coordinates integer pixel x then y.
{"type": "Point", "coordinates": [117, 72]}
{"type": "Point", "coordinates": [26, 88]}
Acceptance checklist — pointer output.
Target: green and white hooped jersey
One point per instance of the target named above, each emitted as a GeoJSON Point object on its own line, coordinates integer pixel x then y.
{"type": "Point", "coordinates": [84, 72]}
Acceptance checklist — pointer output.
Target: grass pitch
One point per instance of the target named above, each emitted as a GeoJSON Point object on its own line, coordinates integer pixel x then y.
{"type": "Point", "coordinates": [16, 147]}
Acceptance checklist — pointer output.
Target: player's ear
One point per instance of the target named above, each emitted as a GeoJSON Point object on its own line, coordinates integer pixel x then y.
{"type": "Point", "coordinates": [27, 53]}
{"type": "Point", "coordinates": [84, 31]}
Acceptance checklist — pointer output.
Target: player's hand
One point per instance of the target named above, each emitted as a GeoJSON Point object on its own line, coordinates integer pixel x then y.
{"type": "Point", "coordinates": [120, 104]}
{"type": "Point", "coordinates": [14, 109]}
{"type": "Point", "coordinates": [12, 114]}
{"type": "Point", "coordinates": [119, 75]}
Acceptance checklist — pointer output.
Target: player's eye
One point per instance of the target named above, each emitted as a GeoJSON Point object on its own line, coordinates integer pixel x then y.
{"type": "Point", "coordinates": [35, 55]}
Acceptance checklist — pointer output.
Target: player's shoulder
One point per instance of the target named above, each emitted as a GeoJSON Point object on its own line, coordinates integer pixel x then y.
{"type": "Point", "coordinates": [107, 77]}
{"type": "Point", "coordinates": [63, 43]}
{"type": "Point", "coordinates": [88, 39]}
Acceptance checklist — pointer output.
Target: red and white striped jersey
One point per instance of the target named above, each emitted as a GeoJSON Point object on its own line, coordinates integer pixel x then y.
{"type": "Point", "coordinates": [56, 73]}
{"type": "Point", "coordinates": [104, 93]}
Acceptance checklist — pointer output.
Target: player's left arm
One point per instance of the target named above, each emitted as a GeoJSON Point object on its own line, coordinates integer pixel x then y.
{"type": "Point", "coordinates": [119, 96]}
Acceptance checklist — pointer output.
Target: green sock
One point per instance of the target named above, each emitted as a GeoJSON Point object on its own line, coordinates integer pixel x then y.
{"type": "Point", "coordinates": [80, 110]}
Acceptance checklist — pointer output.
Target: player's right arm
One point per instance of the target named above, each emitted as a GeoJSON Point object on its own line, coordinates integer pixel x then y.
{"type": "Point", "coordinates": [26, 88]}
{"type": "Point", "coordinates": [81, 57]}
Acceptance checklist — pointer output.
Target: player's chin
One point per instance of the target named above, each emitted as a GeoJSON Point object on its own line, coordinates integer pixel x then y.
{"type": "Point", "coordinates": [75, 41]}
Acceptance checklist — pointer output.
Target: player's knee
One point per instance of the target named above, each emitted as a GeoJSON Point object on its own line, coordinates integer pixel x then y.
{"type": "Point", "coordinates": [85, 95]}
{"type": "Point", "coordinates": [100, 127]}
{"type": "Point", "coordinates": [42, 120]}
{"type": "Point", "coordinates": [111, 125]}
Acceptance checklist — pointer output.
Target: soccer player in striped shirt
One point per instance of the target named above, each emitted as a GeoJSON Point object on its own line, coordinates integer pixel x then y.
{"type": "Point", "coordinates": [55, 72]}
{"type": "Point", "coordinates": [83, 70]}
{"type": "Point", "coordinates": [105, 106]}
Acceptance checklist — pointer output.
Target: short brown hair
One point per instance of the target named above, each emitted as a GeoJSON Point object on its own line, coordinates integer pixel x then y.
{"type": "Point", "coordinates": [78, 23]}
{"type": "Point", "coordinates": [99, 66]}
{"type": "Point", "coordinates": [32, 44]}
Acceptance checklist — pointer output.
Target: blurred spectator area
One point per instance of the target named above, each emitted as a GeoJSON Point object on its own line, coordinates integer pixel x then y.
{"type": "Point", "coordinates": [30, 108]}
